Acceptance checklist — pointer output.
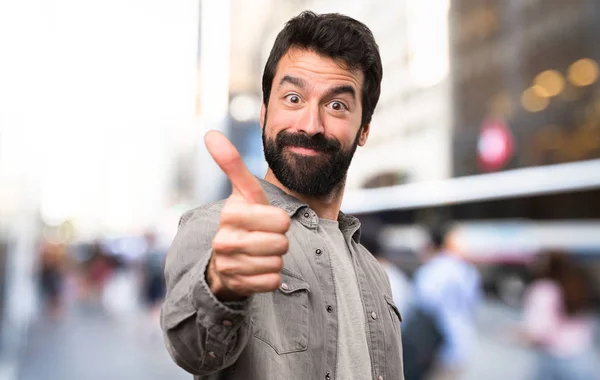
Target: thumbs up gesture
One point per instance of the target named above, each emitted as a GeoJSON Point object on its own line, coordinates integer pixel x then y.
{"type": "Point", "coordinates": [248, 248]}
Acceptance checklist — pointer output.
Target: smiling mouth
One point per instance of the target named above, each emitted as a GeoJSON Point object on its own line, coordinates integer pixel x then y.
{"type": "Point", "coordinates": [303, 151]}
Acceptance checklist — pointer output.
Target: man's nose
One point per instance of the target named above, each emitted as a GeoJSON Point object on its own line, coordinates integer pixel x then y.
{"type": "Point", "coordinates": [311, 121]}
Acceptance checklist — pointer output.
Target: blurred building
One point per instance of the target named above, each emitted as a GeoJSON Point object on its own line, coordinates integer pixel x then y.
{"type": "Point", "coordinates": [410, 131]}
{"type": "Point", "coordinates": [525, 113]}
{"type": "Point", "coordinates": [525, 83]}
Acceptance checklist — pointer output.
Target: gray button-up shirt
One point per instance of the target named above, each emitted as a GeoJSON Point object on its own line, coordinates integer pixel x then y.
{"type": "Point", "coordinates": [291, 333]}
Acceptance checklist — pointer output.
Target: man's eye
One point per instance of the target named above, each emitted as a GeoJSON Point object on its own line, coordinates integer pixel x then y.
{"type": "Point", "coordinates": [337, 106]}
{"type": "Point", "coordinates": [293, 98]}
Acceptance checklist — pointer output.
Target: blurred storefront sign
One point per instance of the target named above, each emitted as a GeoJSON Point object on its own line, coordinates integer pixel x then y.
{"type": "Point", "coordinates": [518, 183]}
{"type": "Point", "coordinates": [495, 145]}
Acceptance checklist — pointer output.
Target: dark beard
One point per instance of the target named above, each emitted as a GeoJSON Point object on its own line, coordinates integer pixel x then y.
{"type": "Point", "coordinates": [314, 176]}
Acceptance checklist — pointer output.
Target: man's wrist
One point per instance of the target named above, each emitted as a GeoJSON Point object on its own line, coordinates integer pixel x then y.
{"type": "Point", "coordinates": [217, 288]}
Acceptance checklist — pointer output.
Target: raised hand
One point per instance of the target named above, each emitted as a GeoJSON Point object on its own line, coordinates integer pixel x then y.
{"type": "Point", "coordinates": [248, 248]}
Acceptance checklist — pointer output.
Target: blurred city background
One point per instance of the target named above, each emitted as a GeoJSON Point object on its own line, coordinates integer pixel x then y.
{"type": "Point", "coordinates": [489, 118]}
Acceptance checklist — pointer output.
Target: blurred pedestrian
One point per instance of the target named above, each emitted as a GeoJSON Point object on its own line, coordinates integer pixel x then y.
{"type": "Point", "coordinates": [440, 335]}
{"type": "Point", "coordinates": [401, 286]}
{"type": "Point", "coordinates": [98, 270]}
{"type": "Point", "coordinates": [52, 277]}
{"type": "Point", "coordinates": [558, 320]}
{"type": "Point", "coordinates": [153, 279]}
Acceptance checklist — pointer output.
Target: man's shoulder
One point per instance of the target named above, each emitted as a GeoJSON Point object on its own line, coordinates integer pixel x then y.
{"type": "Point", "coordinates": [201, 212]}
{"type": "Point", "coordinates": [375, 266]}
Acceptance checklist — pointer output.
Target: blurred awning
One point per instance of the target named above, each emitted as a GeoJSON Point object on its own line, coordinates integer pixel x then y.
{"type": "Point", "coordinates": [524, 182]}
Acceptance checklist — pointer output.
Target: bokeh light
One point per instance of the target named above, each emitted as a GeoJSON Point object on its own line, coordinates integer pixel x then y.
{"type": "Point", "coordinates": [532, 101]}
{"type": "Point", "coordinates": [583, 72]}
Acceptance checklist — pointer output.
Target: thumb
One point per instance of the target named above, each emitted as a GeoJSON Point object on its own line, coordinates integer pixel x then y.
{"type": "Point", "coordinates": [229, 160]}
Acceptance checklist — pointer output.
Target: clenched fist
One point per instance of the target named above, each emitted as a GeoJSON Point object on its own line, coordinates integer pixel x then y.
{"type": "Point", "coordinates": [248, 248]}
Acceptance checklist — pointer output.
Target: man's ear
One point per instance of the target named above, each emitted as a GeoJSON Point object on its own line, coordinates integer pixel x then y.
{"type": "Point", "coordinates": [263, 112]}
{"type": "Point", "coordinates": [364, 134]}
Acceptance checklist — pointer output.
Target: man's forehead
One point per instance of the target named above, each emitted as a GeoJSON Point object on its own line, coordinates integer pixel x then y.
{"type": "Point", "coordinates": [311, 66]}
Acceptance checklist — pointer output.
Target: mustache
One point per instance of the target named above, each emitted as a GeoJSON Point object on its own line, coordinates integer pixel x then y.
{"type": "Point", "coordinates": [317, 142]}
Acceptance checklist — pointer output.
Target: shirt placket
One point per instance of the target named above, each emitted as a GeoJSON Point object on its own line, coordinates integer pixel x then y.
{"type": "Point", "coordinates": [374, 325]}
{"type": "Point", "coordinates": [320, 253]}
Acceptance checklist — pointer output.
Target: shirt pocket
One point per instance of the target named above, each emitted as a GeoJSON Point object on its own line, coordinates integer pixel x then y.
{"type": "Point", "coordinates": [393, 342]}
{"type": "Point", "coordinates": [280, 318]}
{"type": "Point", "coordinates": [394, 312]}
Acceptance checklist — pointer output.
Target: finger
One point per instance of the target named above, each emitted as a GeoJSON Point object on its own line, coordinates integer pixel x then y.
{"type": "Point", "coordinates": [231, 242]}
{"type": "Point", "coordinates": [245, 265]}
{"type": "Point", "coordinates": [255, 218]}
{"type": "Point", "coordinates": [264, 244]}
{"type": "Point", "coordinates": [229, 160]}
{"type": "Point", "coordinates": [262, 283]}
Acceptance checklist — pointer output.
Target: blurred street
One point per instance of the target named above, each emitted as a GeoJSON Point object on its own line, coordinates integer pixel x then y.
{"type": "Point", "coordinates": [90, 344]}
{"type": "Point", "coordinates": [497, 358]}
{"type": "Point", "coordinates": [107, 335]}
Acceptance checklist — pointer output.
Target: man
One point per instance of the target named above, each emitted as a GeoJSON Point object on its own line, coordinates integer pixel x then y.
{"type": "Point", "coordinates": [273, 283]}
{"type": "Point", "coordinates": [448, 289]}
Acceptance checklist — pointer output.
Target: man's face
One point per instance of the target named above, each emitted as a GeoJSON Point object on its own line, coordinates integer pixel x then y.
{"type": "Point", "coordinates": [312, 126]}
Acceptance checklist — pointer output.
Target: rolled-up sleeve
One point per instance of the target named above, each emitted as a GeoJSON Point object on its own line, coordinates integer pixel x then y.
{"type": "Point", "coordinates": [202, 334]}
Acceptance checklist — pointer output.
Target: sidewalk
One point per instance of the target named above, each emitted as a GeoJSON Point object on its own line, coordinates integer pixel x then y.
{"type": "Point", "coordinates": [497, 357]}
{"type": "Point", "coordinates": [89, 344]}
{"type": "Point", "coordinates": [98, 340]}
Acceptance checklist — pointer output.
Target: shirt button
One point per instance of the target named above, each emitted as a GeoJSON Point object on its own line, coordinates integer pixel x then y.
{"type": "Point", "coordinates": [318, 252]}
{"type": "Point", "coordinates": [227, 322]}
{"type": "Point", "coordinates": [379, 377]}
{"type": "Point", "coordinates": [284, 286]}
{"type": "Point", "coordinates": [373, 315]}
{"type": "Point", "coordinates": [327, 376]}
{"type": "Point", "coordinates": [329, 308]}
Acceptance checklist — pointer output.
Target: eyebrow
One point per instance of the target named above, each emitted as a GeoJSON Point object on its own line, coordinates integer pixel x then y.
{"type": "Point", "coordinates": [293, 80]}
{"type": "Point", "coordinates": [339, 90]}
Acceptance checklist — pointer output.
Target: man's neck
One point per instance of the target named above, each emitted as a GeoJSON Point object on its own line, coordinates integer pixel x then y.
{"type": "Point", "coordinates": [326, 207]}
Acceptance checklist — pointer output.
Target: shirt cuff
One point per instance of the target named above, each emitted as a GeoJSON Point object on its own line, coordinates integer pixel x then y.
{"type": "Point", "coordinates": [220, 318]}
{"type": "Point", "coordinates": [236, 305]}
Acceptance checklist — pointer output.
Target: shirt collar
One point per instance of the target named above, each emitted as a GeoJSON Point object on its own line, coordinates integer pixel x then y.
{"type": "Point", "coordinates": [281, 199]}
{"type": "Point", "coordinates": [349, 225]}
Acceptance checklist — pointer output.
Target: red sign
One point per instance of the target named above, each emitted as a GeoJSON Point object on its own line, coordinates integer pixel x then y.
{"type": "Point", "coordinates": [495, 145]}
